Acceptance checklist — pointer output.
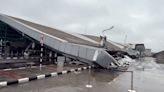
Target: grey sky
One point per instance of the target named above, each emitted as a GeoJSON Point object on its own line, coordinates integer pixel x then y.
{"type": "Point", "coordinates": [141, 20]}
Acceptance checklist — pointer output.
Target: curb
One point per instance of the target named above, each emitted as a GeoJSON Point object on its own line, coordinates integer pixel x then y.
{"type": "Point", "coordinates": [8, 69]}
{"type": "Point", "coordinates": [42, 76]}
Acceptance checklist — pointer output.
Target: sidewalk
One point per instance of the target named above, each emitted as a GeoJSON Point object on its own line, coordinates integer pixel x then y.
{"type": "Point", "coordinates": [9, 75]}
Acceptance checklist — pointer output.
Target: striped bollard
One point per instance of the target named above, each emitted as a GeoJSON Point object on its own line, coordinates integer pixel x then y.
{"type": "Point", "coordinates": [41, 51]}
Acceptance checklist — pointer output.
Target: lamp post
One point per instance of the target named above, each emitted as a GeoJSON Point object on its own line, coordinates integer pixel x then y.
{"type": "Point", "coordinates": [103, 37]}
{"type": "Point", "coordinates": [107, 29]}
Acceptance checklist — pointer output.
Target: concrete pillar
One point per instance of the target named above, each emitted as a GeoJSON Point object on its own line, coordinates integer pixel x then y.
{"type": "Point", "coordinates": [7, 51]}
{"type": "Point", "coordinates": [50, 57]}
{"type": "Point", "coordinates": [60, 63]}
{"type": "Point", "coordinates": [26, 55]}
{"type": "Point", "coordinates": [55, 58]}
{"type": "Point", "coordinates": [1, 49]}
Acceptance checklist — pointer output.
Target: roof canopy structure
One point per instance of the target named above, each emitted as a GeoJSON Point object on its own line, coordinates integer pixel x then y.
{"type": "Point", "coordinates": [83, 47]}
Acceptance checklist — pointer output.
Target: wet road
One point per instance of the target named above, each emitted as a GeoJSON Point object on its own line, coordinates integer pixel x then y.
{"type": "Point", "coordinates": [148, 77]}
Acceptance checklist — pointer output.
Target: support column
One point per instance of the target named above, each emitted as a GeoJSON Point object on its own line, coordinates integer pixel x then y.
{"type": "Point", "coordinates": [50, 57]}
{"type": "Point", "coordinates": [1, 49]}
{"type": "Point", "coordinates": [41, 51]}
{"type": "Point", "coordinates": [60, 63]}
{"type": "Point", "coordinates": [55, 57]}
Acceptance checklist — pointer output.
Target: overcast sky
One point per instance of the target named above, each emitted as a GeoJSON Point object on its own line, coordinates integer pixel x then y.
{"type": "Point", "coordinates": [141, 20]}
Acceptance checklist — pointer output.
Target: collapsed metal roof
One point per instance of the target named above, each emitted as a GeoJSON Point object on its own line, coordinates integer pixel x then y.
{"type": "Point", "coordinates": [84, 47]}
